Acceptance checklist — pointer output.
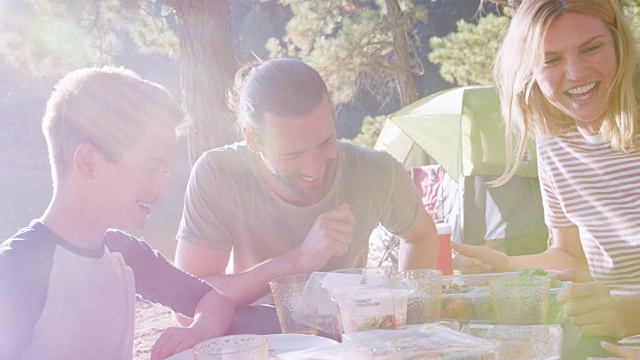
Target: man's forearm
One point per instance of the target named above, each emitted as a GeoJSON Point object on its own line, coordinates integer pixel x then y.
{"type": "Point", "coordinates": [252, 285]}
{"type": "Point", "coordinates": [214, 313]}
{"type": "Point", "coordinates": [243, 289]}
{"type": "Point", "coordinates": [419, 254]}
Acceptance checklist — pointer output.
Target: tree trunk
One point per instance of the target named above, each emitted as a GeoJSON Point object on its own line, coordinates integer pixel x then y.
{"type": "Point", "coordinates": [402, 50]}
{"type": "Point", "coordinates": [207, 67]}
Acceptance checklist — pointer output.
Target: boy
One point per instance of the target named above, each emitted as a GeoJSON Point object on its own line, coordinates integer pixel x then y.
{"type": "Point", "coordinates": [68, 281]}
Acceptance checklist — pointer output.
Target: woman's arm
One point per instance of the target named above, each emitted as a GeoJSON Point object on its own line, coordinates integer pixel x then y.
{"type": "Point", "coordinates": [565, 252]}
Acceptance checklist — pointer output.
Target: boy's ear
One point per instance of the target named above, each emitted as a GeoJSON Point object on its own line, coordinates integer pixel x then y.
{"type": "Point", "coordinates": [85, 159]}
{"type": "Point", "coordinates": [251, 139]}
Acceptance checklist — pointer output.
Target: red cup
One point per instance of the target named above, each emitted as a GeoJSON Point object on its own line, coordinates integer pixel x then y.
{"type": "Point", "coordinates": [445, 261]}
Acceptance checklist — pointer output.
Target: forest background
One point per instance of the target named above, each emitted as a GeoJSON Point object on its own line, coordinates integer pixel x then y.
{"type": "Point", "coordinates": [375, 55]}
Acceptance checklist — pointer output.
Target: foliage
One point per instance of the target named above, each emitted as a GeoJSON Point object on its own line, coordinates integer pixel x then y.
{"type": "Point", "coordinates": [254, 24]}
{"type": "Point", "coordinates": [54, 37]}
{"type": "Point", "coordinates": [350, 43]}
{"type": "Point", "coordinates": [50, 37]}
{"type": "Point", "coordinates": [371, 127]}
{"type": "Point", "coordinates": [632, 11]}
{"type": "Point", "coordinates": [466, 56]}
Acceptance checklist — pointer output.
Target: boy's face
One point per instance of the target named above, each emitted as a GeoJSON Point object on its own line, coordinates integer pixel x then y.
{"type": "Point", "coordinates": [135, 182]}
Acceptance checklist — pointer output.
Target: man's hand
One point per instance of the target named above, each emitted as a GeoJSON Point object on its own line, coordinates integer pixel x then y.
{"type": "Point", "coordinates": [174, 340]}
{"type": "Point", "coordinates": [590, 306]}
{"type": "Point", "coordinates": [478, 259]}
{"type": "Point", "coordinates": [330, 235]}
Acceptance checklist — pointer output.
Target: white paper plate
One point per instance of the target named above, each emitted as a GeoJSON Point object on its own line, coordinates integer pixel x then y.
{"type": "Point", "coordinates": [278, 344]}
{"type": "Point", "coordinates": [283, 343]}
{"type": "Point", "coordinates": [185, 355]}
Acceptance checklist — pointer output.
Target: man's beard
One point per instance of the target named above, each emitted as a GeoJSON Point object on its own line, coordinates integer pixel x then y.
{"type": "Point", "coordinates": [292, 183]}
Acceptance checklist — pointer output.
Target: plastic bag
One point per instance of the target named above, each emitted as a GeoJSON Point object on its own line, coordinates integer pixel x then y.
{"type": "Point", "coordinates": [530, 342]}
{"type": "Point", "coordinates": [414, 342]}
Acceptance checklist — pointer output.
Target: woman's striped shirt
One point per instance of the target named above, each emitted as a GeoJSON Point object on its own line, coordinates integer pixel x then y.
{"type": "Point", "coordinates": [587, 184]}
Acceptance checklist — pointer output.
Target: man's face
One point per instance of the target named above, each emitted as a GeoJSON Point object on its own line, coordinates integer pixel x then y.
{"type": "Point", "coordinates": [299, 154]}
{"type": "Point", "coordinates": [134, 183]}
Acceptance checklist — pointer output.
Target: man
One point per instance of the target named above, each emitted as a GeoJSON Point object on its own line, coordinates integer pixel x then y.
{"type": "Point", "coordinates": [68, 281]}
{"type": "Point", "coordinates": [291, 198]}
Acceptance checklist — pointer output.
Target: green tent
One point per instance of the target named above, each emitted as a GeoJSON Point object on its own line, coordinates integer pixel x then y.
{"type": "Point", "coordinates": [460, 128]}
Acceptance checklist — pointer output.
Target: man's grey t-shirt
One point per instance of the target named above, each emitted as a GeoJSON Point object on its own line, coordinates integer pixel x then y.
{"type": "Point", "coordinates": [229, 206]}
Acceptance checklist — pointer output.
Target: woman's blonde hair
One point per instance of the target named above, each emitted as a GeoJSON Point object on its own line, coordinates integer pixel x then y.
{"type": "Point", "coordinates": [526, 111]}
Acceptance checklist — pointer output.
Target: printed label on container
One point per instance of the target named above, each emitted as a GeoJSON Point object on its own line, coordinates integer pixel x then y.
{"type": "Point", "coordinates": [367, 305]}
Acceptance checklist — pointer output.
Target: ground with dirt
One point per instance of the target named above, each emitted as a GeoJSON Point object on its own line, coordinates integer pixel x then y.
{"type": "Point", "coordinates": [151, 320]}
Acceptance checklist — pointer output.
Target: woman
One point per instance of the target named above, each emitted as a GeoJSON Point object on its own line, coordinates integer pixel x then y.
{"type": "Point", "coordinates": [567, 76]}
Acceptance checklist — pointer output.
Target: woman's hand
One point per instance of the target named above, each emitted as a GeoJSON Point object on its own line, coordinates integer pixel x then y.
{"type": "Point", "coordinates": [624, 352]}
{"type": "Point", "coordinates": [590, 306]}
{"type": "Point", "coordinates": [478, 259]}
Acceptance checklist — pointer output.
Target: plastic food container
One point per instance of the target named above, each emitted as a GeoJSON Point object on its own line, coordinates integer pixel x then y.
{"type": "Point", "coordinates": [316, 307]}
{"type": "Point", "coordinates": [367, 307]}
{"type": "Point", "coordinates": [467, 298]}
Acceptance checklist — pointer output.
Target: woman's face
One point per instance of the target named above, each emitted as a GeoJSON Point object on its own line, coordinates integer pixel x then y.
{"type": "Point", "coordinates": [579, 68]}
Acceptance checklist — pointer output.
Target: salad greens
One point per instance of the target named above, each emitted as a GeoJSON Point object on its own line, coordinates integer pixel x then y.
{"type": "Point", "coordinates": [555, 283]}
